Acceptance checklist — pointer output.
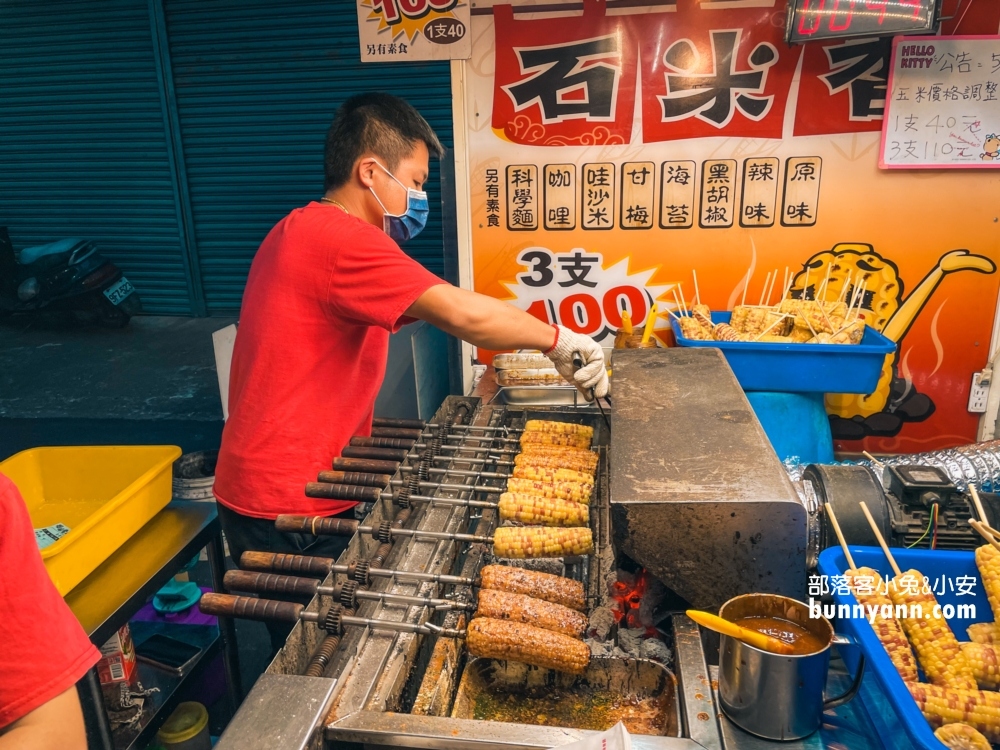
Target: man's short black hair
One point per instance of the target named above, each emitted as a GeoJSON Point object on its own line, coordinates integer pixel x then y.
{"type": "Point", "coordinates": [377, 123]}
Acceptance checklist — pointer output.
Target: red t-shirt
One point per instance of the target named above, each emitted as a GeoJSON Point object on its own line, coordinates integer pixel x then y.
{"type": "Point", "coordinates": [43, 649]}
{"type": "Point", "coordinates": [324, 292]}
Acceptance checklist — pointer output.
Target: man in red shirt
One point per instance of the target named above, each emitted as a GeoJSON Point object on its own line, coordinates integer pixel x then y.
{"type": "Point", "coordinates": [326, 288]}
{"type": "Point", "coordinates": [43, 650]}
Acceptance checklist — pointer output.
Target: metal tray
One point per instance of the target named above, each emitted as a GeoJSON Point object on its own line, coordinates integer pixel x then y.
{"type": "Point", "coordinates": [521, 361]}
{"type": "Point", "coordinates": [548, 377]}
{"type": "Point", "coordinates": [496, 690]}
{"type": "Point", "coordinates": [541, 395]}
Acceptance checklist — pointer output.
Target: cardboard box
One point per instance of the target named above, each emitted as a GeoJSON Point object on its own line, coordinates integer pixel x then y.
{"type": "Point", "coordinates": [117, 662]}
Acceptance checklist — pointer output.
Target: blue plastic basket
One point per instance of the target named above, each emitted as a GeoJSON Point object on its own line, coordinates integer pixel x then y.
{"type": "Point", "coordinates": [886, 698]}
{"type": "Point", "coordinates": [801, 368]}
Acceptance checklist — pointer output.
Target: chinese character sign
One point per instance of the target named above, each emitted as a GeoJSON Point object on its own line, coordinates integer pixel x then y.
{"type": "Point", "coordinates": [614, 151]}
{"type": "Point", "coordinates": [400, 30]}
{"type": "Point", "coordinates": [943, 105]}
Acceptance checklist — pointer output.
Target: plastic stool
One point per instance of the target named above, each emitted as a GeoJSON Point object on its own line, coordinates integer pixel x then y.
{"type": "Point", "coordinates": [796, 424]}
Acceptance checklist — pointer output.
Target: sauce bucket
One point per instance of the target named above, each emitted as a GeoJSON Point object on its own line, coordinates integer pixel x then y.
{"type": "Point", "coordinates": [777, 696]}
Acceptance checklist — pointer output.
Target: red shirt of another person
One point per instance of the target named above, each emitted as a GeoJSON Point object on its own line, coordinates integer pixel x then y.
{"type": "Point", "coordinates": [45, 651]}
{"type": "Point", "coordinates": [324, 292]}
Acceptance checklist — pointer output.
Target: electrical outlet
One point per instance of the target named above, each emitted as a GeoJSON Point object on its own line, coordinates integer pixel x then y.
{"type": "Point", "coordinates": [978, 395]}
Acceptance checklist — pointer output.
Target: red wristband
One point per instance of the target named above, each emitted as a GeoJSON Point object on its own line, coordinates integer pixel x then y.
{"type": "Point", "coordinates": [555, 343]}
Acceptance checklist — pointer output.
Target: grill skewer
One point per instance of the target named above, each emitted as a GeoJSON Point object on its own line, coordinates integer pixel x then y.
{"type": "Point", "coordinates": [321, 566]}
{"type": "Point", "coordinates": [384, 532]}
{"type": "Point", "coordinates": [331, 619]}
{"type": "Point", "coordinates": [347, 593]}
{"type": "Point", "coordinates": [372, 494]}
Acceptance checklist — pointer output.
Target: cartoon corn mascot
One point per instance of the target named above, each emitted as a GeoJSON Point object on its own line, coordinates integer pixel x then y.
{"type": "Point", "coordinates": [894, 402]}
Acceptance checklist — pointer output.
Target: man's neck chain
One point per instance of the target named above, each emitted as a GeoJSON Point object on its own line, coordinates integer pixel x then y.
{"type": "Point", "coordinates": [338, 204]}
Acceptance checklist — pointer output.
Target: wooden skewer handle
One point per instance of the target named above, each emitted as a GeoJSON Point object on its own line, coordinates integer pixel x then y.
{"type": "Point", "coordinates": [411, 424]}
{"type": "Point", "coordinates": [382, 442]}
{"type": "Point", "coordinates": [379, 454]}
{"type": "Point", "coordinates": [277, 562]}
{"type": "Point", "coordinates": [317, 525]}
{"type": "Point", "coordinates": [268, 583]}
{"type": "Point", "coordinates": [343, 492]}
{"type": "Point", "coordinates": [367, 466]}
{"type": "Point", "coordinates": [354, 477]}
{"type": "Point", "coordinates": [396, 432]}
{"type": "Point", "coordinates": [249, 608]}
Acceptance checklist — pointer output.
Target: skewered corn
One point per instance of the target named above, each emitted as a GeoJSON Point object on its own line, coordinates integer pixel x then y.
{"type": "Point", "coordinates": [555, 438]}
{"type": "Point", "coordinates": [982, 632]}
{"type": "Point", "coordinates": [555, 457]}
{"type": "Point", "coordinates": [889, 631]}
{"type": "Point", "coordinates": [988, 562]}
{"type": "Point", "coordinates": [547, 511]}
{"type": "Point", "coordinates": [498, 639]}
{"type": "Point", "coordinates": [548, 474]}
{"type": "Point", "coordinates": [979, 709]}
{"type": "Point", "coordinates": [551, 588]}
{"type": "Point", "coordinates": [566, 428]}
{"type": "Point", "coordinates": [573, 491]}
{"type": "Point", "coordinates": [541, 541]}
{"type": "Point", "coordinates": [502, 605]}
{"type": "Point", "coordinates": [961, 737]}
{"type": "Point", "coordinates": [985, 665]}
{"type": "Point", "coordinates": [936, 647]}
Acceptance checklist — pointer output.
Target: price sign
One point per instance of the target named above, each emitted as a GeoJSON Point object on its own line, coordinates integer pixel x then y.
{"type": "Point", "coordinates": [825, 19]}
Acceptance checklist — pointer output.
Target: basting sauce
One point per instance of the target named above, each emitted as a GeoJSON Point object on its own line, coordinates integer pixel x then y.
{"type": "Point", "coordinates": [802, 641]}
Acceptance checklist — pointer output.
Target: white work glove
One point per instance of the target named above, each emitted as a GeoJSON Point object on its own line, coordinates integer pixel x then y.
{"type": "Point", "coordinates": [593, 373]}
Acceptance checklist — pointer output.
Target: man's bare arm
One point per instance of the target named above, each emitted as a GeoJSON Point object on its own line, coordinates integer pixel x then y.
{"type": "Point", "coordinates": [482, 321]}
{"type": "Point", "coordinates": [56, 725]}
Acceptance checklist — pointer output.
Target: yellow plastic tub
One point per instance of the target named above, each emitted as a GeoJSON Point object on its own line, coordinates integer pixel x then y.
{"type": "Point", "coordinates": [104, 494]}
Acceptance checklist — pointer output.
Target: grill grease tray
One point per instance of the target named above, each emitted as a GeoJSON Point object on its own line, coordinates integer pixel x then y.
{"type": "Point", "coordinates": [639, 692]}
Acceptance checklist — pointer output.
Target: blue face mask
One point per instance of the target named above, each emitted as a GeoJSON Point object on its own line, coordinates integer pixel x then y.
{"type": "Point", "coordinates": [407, 225]}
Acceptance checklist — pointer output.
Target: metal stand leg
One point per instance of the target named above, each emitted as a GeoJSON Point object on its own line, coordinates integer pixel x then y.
{"type": "Point", "coordinates": [95, 717]}
{"type": "Point", "coordinates": [227, 631]}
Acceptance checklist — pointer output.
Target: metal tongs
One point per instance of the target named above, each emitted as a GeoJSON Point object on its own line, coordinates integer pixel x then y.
{"type": "Point", "coordinates": [577, 364]}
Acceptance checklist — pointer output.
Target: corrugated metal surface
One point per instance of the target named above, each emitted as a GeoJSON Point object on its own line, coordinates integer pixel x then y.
{"type": "Point", "coordinates": [83, 148]}
{"type": "Point", "coordinates": [257, 83]}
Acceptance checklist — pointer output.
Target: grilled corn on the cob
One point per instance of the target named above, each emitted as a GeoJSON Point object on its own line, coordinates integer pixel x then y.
{"type": "Point", "coordinates": [541, 541]}
{"type": "Point", "coordinates": [961, 737]}
{"type": "Point", "coordinates": [555, 438]}
{"type": "Point", "coordinates": [503, 605]}
{"type": "Point", "coordinates": [551, 588]}
{"type": "Point", "coordinates": [556, 457]}
{"type": "Point", "coordinates": [985, 665]}
{"type": "Point", "coordinates": [936, 647]}
{"type": "Point", "coordinates": [567, 428]}
{"type": "Point", "coordinates": [572, 491]}
{"type": "Point", "coordinates": [547, 511]}
{"type": "Point", "coordinates": [982, 632]}
{"type": "Point", "coordinates": [979, 709]}
{"type": "Point", "coordinates": [988, 562]}
{"type": "Point", "coordinates": [499, 639]}
{"type": "Point", "coordinates": [889, 631]}
{"type": "Point", "coordinates": [547, 474]}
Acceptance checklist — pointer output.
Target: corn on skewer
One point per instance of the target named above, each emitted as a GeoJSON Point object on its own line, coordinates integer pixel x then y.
{"type": "Point", "coordinates": [541, 541]}
{"type": "Point", "coordinates": [498, 639]}
{"type": "Point", "coordinates": [982, 632]}
{"type": "Point", "coordinates": [547, 511]}
{"type": "Point", "coordinates": [988, 562]}
{"type": "Point", "coordinates": [547, 474]}
{"type": "Point", "coordinates": [889, 631]}
{"type": "Point", "coordinates": [961, 737]}
{"type": "Point", "coordinates": [567, 428]}
{"type": "Point", "coordinates": [551, 588]}
{"type": "Point", "coordinates": [503, 605]}
{"type": "Point", "coordinates": [577, 493]}
{"type": "Point", "coordinates": [979, 709]}
{"type": "Point", "coordinates": [555, 438]}
{"type": "Point", "coordinates": [985, 665]}
{"type": "Point", "coordinates": [551, 456]}
{"type": "Point", "coordinates": [936, 647]}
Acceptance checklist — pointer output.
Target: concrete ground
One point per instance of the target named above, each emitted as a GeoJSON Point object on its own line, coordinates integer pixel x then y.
{"type": "Point", "coordinates": [152, 382]}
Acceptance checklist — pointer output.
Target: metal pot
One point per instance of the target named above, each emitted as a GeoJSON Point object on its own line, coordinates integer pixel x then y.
{"type": "Point", "coordinates": [777, 696]}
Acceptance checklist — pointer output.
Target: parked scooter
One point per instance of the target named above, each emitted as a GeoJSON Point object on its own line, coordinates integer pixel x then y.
{"type": "Point", "coordinates": [69, 276]}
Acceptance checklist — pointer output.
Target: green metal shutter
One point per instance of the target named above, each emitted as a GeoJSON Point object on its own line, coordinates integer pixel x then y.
{"type": "Point", "coordinates": [83, 146]}
{"type": "Point", "coordinates": [257, 83]}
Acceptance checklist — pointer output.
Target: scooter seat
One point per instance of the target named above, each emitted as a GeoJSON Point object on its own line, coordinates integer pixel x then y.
{"type": "Point", "coordinates": [31, 255]}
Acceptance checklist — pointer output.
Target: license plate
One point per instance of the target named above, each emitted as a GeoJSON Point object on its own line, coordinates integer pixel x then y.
{"type": "Point", "coordinates": [118, 291]}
